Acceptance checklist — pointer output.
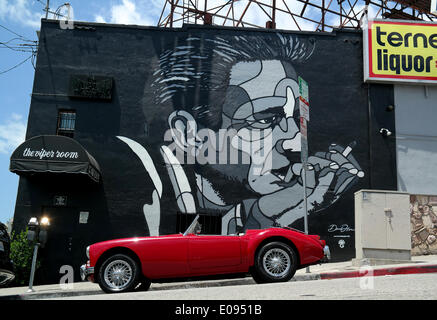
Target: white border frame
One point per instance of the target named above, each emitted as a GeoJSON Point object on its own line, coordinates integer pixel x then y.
{"type": "Point", "coordinates": [366, 53]}
{"type": "Point", "coordinates": [433, 9]}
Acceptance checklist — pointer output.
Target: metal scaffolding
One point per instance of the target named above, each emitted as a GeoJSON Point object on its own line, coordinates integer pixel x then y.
{"type": "Point", "coordinates": [308, 15]}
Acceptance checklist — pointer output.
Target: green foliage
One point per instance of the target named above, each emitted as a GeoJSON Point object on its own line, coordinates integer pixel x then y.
{"type": "Point", "coordinates": [21, 255]}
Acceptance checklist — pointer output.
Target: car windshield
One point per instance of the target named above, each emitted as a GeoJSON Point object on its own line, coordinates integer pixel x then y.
{"type": "Point", "coordinates": [193, 226]}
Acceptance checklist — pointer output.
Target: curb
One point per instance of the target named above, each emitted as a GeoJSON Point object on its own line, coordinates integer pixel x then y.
{"type": "Point", "coordinates": [169, 286]}
{"type": "Point", "coordinates": [365, 271]}
{"type": "Point", "coordinates": [36, 296]}
{"type": "Point", "coordinates": [369, 272]}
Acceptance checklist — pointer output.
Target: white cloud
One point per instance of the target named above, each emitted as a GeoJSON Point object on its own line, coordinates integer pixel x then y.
{"type": "Point", "coordinates": [132, 12]}
{"type": "Point", "coordinates": [12, 133]}
{"type": "Point", "coordinates": [127, 13]}
{"type": "Point", "coordinates": [286, 22]}
{"type": "Point", "coordinates": [20, 11]}
{"type": "Point", "coordinates": [100, 19]}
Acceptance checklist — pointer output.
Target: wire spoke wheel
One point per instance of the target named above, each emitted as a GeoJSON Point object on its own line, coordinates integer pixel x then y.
{"type": "Point", "coordinates": [118, 274]}
{"type": "Point", "coordinates": [276, 262]}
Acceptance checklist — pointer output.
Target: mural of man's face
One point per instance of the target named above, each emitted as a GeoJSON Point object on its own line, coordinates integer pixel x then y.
{"type": "Point", "coordinates": [258, 116]}
{"type": "Point", "coordinates": [259, 105]}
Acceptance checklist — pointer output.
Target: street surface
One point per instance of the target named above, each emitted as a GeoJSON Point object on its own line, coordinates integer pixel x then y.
{"type": "Point", "coordinates": [400, 287]}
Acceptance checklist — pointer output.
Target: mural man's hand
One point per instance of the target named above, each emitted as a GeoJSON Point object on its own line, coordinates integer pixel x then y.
{"type": "Point", "coordinates": [286, 205]}
{"type": "Point", "coordinates": [333, 171]}
{"type": "Point", "coordinates": [343, 164]}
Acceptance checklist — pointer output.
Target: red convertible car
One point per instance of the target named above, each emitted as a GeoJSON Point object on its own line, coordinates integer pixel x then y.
{"type": "Point", "coordinates": [270, 255]}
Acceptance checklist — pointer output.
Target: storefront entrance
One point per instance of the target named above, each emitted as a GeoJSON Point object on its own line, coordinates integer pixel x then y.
{"type": "Point", "coordinates": [64, 243]}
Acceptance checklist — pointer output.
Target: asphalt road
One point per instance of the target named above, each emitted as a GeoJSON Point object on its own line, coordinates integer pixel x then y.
{"type": "Point", "coordinates": [401, 287]}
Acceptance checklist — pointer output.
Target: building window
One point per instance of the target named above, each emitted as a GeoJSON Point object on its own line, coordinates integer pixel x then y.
{"type": "Point", "coordinates": [66, 123]}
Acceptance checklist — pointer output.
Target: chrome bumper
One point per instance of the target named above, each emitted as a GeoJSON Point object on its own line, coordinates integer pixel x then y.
{"type": "Point", "coordinates": [327, 254]}
{"type": "Point", "coordinates": [86, 272]}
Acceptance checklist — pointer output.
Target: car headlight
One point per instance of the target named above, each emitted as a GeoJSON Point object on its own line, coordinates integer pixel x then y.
{"type": "Point", "coordinates": [88, 252]}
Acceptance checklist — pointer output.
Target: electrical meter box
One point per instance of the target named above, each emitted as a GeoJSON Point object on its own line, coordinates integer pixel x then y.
{"type": "Point", "coordinates": [382, 227]}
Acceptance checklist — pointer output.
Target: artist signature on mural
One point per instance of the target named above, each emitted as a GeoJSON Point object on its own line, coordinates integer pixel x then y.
{"type": "Point", "coordinates": [342, 228]}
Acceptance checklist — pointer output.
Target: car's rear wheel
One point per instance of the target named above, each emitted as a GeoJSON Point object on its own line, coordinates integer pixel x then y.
{"type": "Point", "coordinates": [119, 273]}
{"type": "Point", "coordinates": [274, 262]}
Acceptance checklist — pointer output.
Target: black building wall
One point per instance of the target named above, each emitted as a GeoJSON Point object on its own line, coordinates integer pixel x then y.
{"type": "Point", "coordinates": [206, 74]}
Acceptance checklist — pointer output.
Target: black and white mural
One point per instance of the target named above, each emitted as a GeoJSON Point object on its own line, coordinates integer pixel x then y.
{"type": "Point", "coordinates": [205, 120]}
{"type": "Point", "coordinates": [236, 119]}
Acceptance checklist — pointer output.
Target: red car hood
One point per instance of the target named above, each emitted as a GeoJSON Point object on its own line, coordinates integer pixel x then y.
{"type": "Point", "coordinates": [135, 239]}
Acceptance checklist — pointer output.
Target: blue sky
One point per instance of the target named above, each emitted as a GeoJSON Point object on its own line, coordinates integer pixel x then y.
{"type": "Point", "coordinates": [19, 21]}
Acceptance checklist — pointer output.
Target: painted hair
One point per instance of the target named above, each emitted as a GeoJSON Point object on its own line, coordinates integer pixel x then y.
{"type": "Point", "coordinates": [194, 73]}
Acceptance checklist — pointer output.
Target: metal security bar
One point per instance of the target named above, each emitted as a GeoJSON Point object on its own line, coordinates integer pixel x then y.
{"type": "Point", "coordinates": [66, 123]}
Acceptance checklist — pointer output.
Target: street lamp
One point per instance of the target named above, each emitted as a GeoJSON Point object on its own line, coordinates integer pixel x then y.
{"type": "Point", "coordinates": [37, 232]}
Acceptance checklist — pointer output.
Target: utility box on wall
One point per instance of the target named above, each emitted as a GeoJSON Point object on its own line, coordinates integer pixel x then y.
{"type": "Point", "coordinates": [382, 227]}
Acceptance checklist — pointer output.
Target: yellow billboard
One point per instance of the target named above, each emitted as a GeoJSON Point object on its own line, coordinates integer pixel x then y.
{"type": "Point", "coordinates": [404, 51]}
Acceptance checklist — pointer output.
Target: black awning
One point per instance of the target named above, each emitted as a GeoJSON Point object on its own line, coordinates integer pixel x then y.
{"type": "Point", "coordinates": [56, 154]}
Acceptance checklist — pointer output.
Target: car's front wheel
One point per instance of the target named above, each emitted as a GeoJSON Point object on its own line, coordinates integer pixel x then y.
{"type": "Point", "coordinates": [275, 262]}
{"type": "Point", "coordinates": [119, 273]}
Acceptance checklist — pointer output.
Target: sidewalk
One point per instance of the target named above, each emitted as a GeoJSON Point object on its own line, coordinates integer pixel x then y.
{"type": "Point", "coordinates": [419, 264]}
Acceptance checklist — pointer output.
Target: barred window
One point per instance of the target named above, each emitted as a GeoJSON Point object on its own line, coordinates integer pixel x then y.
{"type": "Point", "coordinates": [66, 123]}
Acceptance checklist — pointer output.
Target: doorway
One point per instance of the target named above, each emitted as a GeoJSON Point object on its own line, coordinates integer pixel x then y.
{"type": "Point", "coordinates": [63, 243]}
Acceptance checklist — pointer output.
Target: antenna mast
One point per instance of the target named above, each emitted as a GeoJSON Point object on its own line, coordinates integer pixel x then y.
{"type": "Point", "coordinates": [47, 8]}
